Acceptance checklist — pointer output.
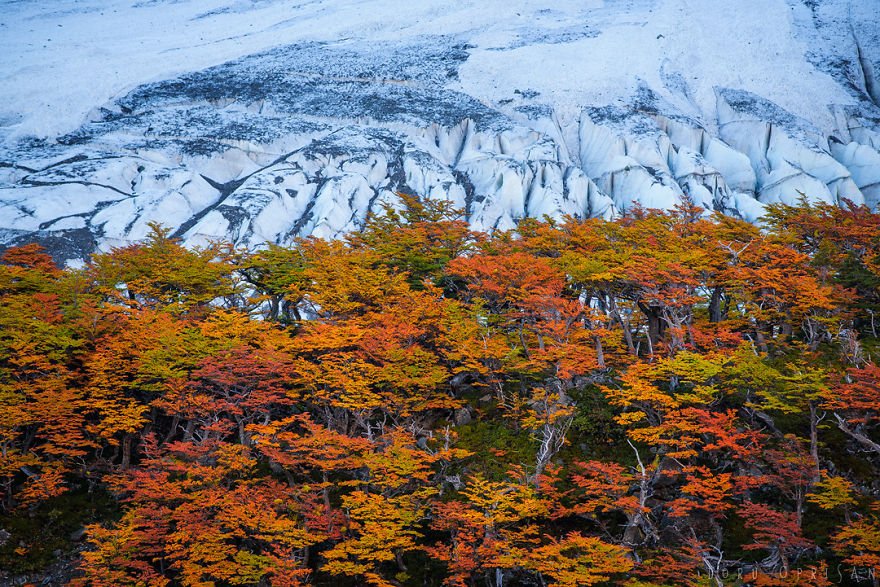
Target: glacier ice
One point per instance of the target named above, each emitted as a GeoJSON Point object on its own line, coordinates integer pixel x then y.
{"type": "Point", "coordinates": [288, 120]}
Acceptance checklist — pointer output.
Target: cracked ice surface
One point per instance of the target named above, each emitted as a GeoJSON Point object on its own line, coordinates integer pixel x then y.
{"type": "Point", "coordinates": [265, 120]}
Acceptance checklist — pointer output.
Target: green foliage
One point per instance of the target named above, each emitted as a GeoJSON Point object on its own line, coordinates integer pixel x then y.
{"type": "Point", "coordinates": [38, 536]}
{"type": "Point", "coordinates": [496, 447]}
{"type": "Point", "coordinates": [594, 432]}
{"type": "Point", "coordinates": [418, 238]}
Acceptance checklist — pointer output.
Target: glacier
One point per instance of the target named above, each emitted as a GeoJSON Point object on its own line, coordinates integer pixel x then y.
{"type": "Point", "coordinates": [257, 121]}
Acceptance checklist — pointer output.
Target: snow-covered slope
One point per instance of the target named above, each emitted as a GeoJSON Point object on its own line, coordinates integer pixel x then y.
{"type": "Point", "coordinates": [263, 120]}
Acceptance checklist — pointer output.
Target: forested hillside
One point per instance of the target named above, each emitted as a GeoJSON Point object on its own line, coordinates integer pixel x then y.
{"type": "Point", "coordinates": [662, 399]}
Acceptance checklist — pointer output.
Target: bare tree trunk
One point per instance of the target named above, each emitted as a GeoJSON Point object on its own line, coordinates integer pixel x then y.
{"type": "Point", "coordinates": [600, 353]}
{"type": "Point", "coordinates": [856, 435]}
{"type": "Point", "coordinates": [172, 432]}
{"type": "Point", "coordinates": [327, 509]}
{"type": "Point", "coordinates": [655, 325]}
{"type": "Point", "coordinates": [188, 431]}
{"type": "Point", "coordinates": [761, 340]}
{"type": "Point", "coordinates": [814, 439]}
{"type": "Point", "coordinates": [715, 313]}
{"type": "Point", "coordinates": [624, 325]}
{"type": "Point", "coordinates": [398, 558]}
{"type": "Point", "coordinates": [637, 521]}
{"type": "Point", "coordinates": [126, 450]}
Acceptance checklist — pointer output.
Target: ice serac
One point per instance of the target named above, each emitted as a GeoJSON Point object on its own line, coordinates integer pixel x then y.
{"type": "Point", "coordinates": [626, 155]}
{"type": "Point", "coordinates": [307, 125]}
{"type": "Point", "coordinates": [857, 147]}
{"type": "Point", "coordinates": [863, 161]}
{"type": "Point", "coordinates": [658, 158]}
{"type": "Point", "coordinates": [713, 174]}
{"type": "Point", "coordinates": [784, 150]}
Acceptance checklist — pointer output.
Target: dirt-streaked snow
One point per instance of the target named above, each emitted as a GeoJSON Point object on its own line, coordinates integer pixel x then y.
{"type": "Point", "coordinates": [268, 119]}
